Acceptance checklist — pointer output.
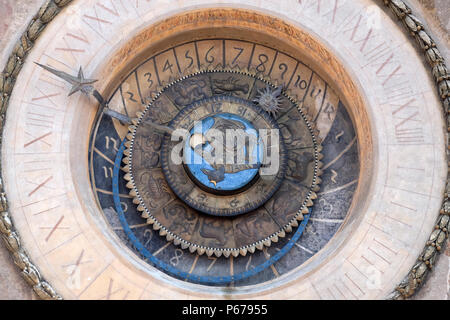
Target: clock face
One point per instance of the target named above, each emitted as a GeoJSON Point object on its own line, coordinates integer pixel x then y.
{"type": "Point", "coordinates": [278, 151]}
{"type": "Point", "coordinates": [232, 226]}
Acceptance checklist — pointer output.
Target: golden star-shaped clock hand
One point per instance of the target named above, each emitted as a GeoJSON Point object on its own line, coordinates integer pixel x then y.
{"type": "Point", "coordinates": [80, 83]}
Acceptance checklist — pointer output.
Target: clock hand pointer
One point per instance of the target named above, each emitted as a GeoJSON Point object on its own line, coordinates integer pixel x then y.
{"type": "Point", "coordinates": [80, 83]}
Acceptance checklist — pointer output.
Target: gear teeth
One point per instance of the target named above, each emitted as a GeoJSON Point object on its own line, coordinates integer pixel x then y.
{"type": "Point", "coordinates": [135, 121]}
{"type": "Point", "coordinates": [202, 68]}
{"type": "Point", "coordinates": [156, 226]}
{"type": "Point", "coordinates": [145, 215]}
{"type": "Point", "coordinates": [319, 140]}
{"type": "Point", "coordinates": [169, 237]}
{"type": "Point", "coordinates": [245, 70]}
{"type": "Point", "coordinates": [209, 252]}
{"type": "Point", "coordinates": [288, 228]}
{"type": "Point", "coordinates": [251, 249]}
{"type": "Point", "coordinates": [153, 96]}
{"type": "Point", "coordinates": [139, 114]}
{"type": "Point", "coordinates": [268, 242]}
{"type": "Point", "coordinates": [195, 69]}
{"type": "Point", "coordinates": [136, 200]}
{"type": "Point", "coordinates": [300, 217]}
{"type": "Point", "coordinates": [192, 249]}
{"type": "Point", "coordinates": [150, 220]}
{"type": "Point", "coordinates": [159, 88]}
{"type": "Point", "coordinates": [236, 68]}
{"type": "Point", "coordinates": [133, 193]}
{"type": "Point", "coordinates": [209, 67]}
{"type": "Point", "coordinates": [176, 241]}
{"type": "Point", "coordinates": [226, 253]}
{"type": "Point", "coordinates": [273, 239]}
{"type": "Point", "coordinates": [125, 169]}
{"type": "Point", "coordinates": [165, 83]}
{"type": "Point", "coordinates": [242, 252]}
{"type": "Point", "coordinates": [162, 232]}
{"type": "Point", "coordinates": [127, 176]}
{"type": "Point", "coordinates": [259, 246]}
{"type": "Point", "coordinates": [309, 202]}
{"type": "Point", "coordinates": [291, 94]}
{"type": "Point", "coordinates": [130, 136]}
{"type": "Point", "coordinates": [129, 185]}
{"type": "Point", "coordinates": [141, 208]}
{"type": "Point", "coordinates": [313, 196]}
{"type": "Point", "coordinates": [201, 251]}
{"type": "Point", "coordinates": [127, 144]}
{"type": "Point", "coordinates": [219, 66]}
{"type": "Point", "coordinates": [252, 70]}
{"type": "Point", "coordinates": [184, 245]}
{"type": "Point", "coordinates": [295, 222]}
{"type": "Point", "coordinates": [282, 234]}
{"type": "Point", "coordinates": [316, 188]}
{"type": "Point", "coordinates": [297, 98]}
{"type": "Point", "coordinates": [317, 134]}
{"type": "Point", "coordinates": [304, 210]}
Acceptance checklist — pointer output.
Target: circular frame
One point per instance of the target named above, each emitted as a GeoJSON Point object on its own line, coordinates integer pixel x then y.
{"type": "Point", "coordinates": [401, 11]}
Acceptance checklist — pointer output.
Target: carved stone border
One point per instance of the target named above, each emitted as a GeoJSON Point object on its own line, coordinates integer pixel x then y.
{"type": "Point", "coordinates": [437, 240]}
{"type": "Point", "coordinates": [410, 284]}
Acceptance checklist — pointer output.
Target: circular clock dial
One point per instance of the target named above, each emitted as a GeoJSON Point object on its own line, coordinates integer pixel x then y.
{"type": "Point", "coordinates": [164, 181]}
{"type": "Point", "coordinates": [196, 211]}
{"type": "Point", "coordinates": [103, 210]}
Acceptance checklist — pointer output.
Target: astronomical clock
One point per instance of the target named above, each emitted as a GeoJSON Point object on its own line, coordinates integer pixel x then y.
{"type": "Point", "coordinates": [224, 150]}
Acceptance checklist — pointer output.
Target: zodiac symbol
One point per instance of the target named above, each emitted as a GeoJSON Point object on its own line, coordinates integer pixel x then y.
{"type": "Point", "coordinates": [180, 211]}
{"type": "Point", "coordinates": [252, 227]}
{"type": "Point", "coordinates": [191, 92]}
{"type": "Point", "coordinates": [158, 112]}
{"type": "Point", "coordinates": [155, 188]}
{"type": "Point", "coordinates": [297, 165]}
{"type": "Point", "coordinates": [181, 218]}
{"type": "Point", "coordinates": [234, 203]}
{"type": "Point", "coordinates": [260, 187]}
{"type": "Point", "coordinates": [291, 130]}
{"type": "Point", "coordinates": [149, 146]}
{"type": "Point", "coordinates": [210, 230]}
{"type": "Point", "coordinates": [280, 205]}
{"type": "Point", "coordinates": [202, 198]}
{"type": "Point", "coordinates": [229, 85]}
